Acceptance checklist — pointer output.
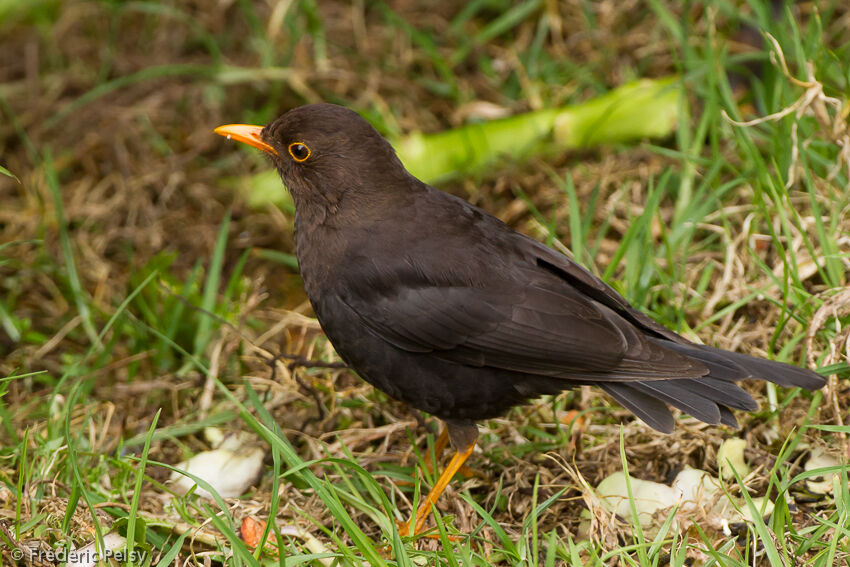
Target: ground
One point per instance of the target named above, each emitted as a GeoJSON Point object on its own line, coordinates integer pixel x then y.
{"type": "Point", "coordinates": [143, 299]}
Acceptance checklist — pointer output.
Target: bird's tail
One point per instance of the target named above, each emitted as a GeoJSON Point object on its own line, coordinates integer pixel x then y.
{"type": "Point", "coordinates": [710, 398]}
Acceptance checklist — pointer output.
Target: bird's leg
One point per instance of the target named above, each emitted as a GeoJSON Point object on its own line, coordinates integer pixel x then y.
{"type": "Point", "coordinates": [463, 439]}
{"type": "Point", "coordinates": [425, 508]}
{"type": "Point", "coordinates": [439, 447]}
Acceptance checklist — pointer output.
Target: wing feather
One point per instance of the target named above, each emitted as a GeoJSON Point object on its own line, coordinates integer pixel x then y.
{"type": "Point", "coordinates": [530, 321]}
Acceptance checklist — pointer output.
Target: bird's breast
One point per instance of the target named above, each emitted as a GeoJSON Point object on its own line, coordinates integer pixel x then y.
{"type": "Point", "coordinates": [319, 253]}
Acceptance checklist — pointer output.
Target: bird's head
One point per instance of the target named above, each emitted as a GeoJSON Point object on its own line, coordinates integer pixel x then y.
{"type": "Point", "coordinates": [324, 151]}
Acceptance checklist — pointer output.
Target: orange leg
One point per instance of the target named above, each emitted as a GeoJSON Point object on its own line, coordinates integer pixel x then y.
{"type": "Point", "coordinates": [424, 510]}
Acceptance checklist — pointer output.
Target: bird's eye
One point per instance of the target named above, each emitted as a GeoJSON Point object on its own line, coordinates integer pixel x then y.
{"type": "Point", "coordinates": [299, 152]}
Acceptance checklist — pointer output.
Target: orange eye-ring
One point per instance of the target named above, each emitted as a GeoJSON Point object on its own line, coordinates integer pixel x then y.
{"type": "Point", "coordinates": [299, 152]}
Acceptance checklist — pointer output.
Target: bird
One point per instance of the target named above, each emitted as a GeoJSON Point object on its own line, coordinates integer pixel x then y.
{"type": "Point", "coordinates": [442, 306]}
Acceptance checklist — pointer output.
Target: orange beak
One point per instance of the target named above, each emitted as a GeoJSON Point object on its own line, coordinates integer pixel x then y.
{"type": "Point", "coordinates": [247, 134]}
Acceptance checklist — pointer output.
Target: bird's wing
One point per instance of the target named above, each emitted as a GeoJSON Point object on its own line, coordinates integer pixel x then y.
{"type": "Point", "coordinates": [527, 321]}
{"type": "Point", "coordinates": [593, 287]}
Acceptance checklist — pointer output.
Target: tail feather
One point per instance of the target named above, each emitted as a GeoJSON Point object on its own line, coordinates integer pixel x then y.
{"type": "Point", "coordinates": [710, 398]}
{"type": "Point", "coordinates": [720, 366]}
{"type": "Point", "coordinates": [779, 373]}
{"type": "Point", "coordinates": [724, 392]}
{"type": "Point", "coordinates": [651, 411]}
{"type": "Point", "coordinates": [727, 417]}
{"type": "Point", "coordinates": [678, 395]}
{"type": "Point", "coordinates": [735, 366]}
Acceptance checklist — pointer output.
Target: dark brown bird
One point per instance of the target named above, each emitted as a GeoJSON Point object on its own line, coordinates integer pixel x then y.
{"type": "Point", "coordinates": [446, 308]}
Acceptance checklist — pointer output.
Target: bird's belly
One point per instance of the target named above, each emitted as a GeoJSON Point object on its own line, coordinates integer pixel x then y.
{"type": "Point", "coordinates": [421, 380]}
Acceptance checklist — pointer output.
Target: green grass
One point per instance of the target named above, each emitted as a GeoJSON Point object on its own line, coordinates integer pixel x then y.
{"type": "Point", "coordinates": [732, 235]}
